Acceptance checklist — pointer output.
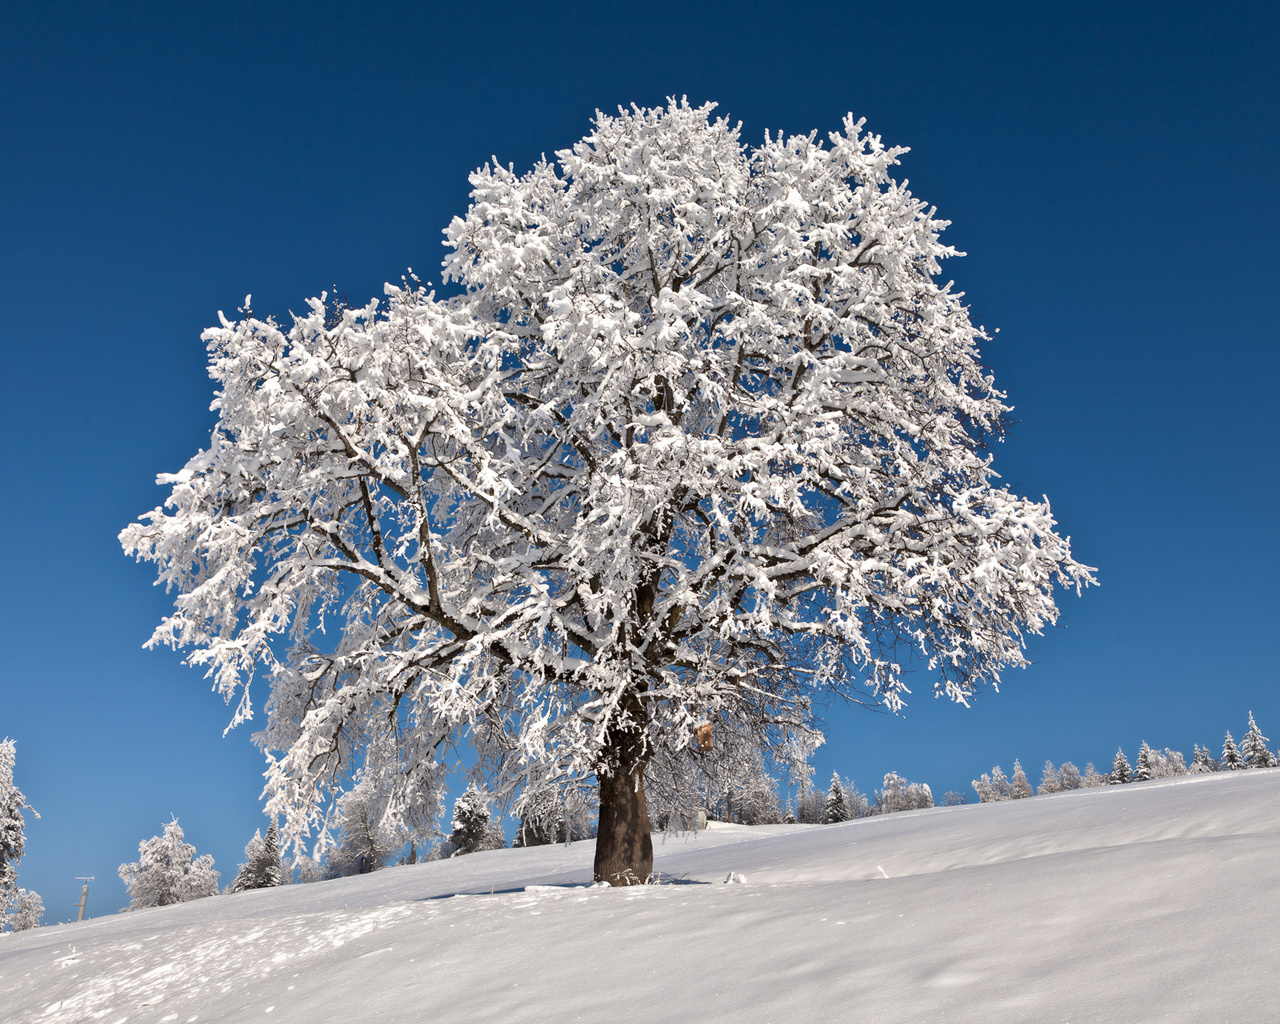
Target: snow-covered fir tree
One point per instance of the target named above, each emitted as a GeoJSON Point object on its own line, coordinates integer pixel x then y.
{"type": "Point", "coordinates": [1232, 759]}
{"type": "Point", "coordinates": [837, 808]}
{"type": "Point", "coordinates": [12, 823]}
{"type": "Point", "coordinates": [698, 431]}
{"type": "Point", "coordinates": [1253, 747]}
{"type": "Point", "coordinates": [261, 868]}
{"type": "Point", "coordinates": [168, 871]}
{"type": "Point", "coordinates": [1121, 770]}
{"type": "Point", "coordinates": [1049, 781]}
{"type": "Point", "coordinates": [1142, 771]}
{"type": "Point", "coordinates": [24, 911]}
{"type": "Point", "coordinates": [474, 829]}
{"type": "Point", "coordinates": [1019, 787]}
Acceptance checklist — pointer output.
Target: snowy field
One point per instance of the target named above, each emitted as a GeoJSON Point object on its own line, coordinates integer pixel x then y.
{"type": "Point", "coordinates": [1149, 902]}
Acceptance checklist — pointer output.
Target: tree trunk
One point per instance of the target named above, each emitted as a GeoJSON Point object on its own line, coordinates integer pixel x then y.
{"type": "Point", "coordinates": [624, 847]}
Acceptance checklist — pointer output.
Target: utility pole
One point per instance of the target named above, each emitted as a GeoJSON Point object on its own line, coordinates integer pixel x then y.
{"type": "Point", "coordinates": [84, 894]}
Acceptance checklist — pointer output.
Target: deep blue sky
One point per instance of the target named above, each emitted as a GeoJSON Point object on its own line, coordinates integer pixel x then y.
{"type": "Point", "coordinates": [1110, 169]}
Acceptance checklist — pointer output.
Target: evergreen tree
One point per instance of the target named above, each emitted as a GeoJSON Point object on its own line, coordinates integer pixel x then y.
{"type": "Point", "coordinates": [1120, 770]}
{"type": "Point", "coordinates": [261, 868]}
{"type": "Point", "coordinates": [1254, 748]}
{"type": "Point", "coordinates": [1049, 781]}
{"type": "Point", "coordinates": [790, 817]}
{"type": "Point", "coordinates": [1019, 787]}
{"type": "Point", "coordinates": [1069, 777]}
{"type": "Point", "coordinates": [473, 828]}
{"type": "Point", "coordinates": [1231, 757]}
{"type": "Point", "coordinates": [12, 825]}
{"type": "Point", "coordinates": [25, 910]}
{"type": "Point", "coordinates": [837, 806]}
{"type": "Point", "coordinates": [1143, 771]}
{"type": "Point", "coordinates": [167, 871]}
{"type": "Point", "coordinates": [1201, 761]}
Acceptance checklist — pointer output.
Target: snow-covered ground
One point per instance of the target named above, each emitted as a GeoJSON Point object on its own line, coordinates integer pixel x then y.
{"type": "Point", "coordinates": [1151, 902]}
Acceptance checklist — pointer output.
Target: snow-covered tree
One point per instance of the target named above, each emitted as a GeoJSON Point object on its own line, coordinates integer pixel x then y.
{"type": "Point", "coordinates": [261, 868]}
{"type": "Point", "coordinates": [992, 788]}
{"type": "Point", "coordinates": [1142, 772]}
{"type": "Point", "coordinates": [897, 794]}
{"type": "Point", "coordinates": [12, 824]}
{"type": "Point", "coordinates": [837, 807]}
{"type": "Point", "coordinates": [1019, 787]}
{"type": "Point", "coordinates": [1202, 761]}
{"type": "Point", "coordinates": [1232, 760]}
{"type": "Point", "coordinates": [473, 827]}
{"type": "Point", "coordinates": [1093, 778]}
{"type": "Point", "coordinates": [1121, 771]}
{"type": "Point", "coordinates": [367, 836]}
{"type": "Point", "coordinates": [1167, 763]}
{"type": "Point", "coordinates": [954, 798]}
{"type": "Point", "coordinates": [1069, 777]}
{"type": "Point", "coordinates": [702, 437]}
{"type": "Point", "coordinates": [551, 820]}
{"type": "Point", "coordinates": [1254, 747]}
{"type": "Point", "coordinates": [811, 805]}
{"type": "Point", "coordinates": [1049, 781]}
{"type": "Point", "coordinates": [25, 908]}
{"type": "Point", "coordinates": [168, 871]}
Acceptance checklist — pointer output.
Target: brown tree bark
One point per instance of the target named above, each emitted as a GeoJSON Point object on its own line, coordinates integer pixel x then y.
{"type": "Point", "coordinates": [624, 846]}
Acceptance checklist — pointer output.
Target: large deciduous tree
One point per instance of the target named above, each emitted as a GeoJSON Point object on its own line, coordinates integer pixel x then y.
{"type": "Point", "coordinates": [701, 436]}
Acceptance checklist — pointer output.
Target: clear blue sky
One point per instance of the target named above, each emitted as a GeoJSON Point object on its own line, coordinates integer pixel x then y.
{"type": "Point", "coordinates": [1111, 170]}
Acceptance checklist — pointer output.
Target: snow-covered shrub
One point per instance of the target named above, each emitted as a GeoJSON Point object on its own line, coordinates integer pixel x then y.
{"type": "Point", "coordinates": [24, 911]}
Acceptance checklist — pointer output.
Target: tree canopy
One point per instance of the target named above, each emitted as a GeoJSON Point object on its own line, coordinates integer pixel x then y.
{"type": "Point", "coordinates": [700, 437]}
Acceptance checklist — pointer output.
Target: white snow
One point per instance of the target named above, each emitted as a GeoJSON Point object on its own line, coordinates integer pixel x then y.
{"type": "Point", "coordinates": [1147, 902]}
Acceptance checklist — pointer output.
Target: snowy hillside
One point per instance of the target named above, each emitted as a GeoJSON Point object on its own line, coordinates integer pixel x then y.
{"type": "Point", "coordinates": [1150, 902]}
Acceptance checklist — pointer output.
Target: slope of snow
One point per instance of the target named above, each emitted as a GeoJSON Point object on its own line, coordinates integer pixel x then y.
{"type": "Point", "coordinates": [1149, 902]}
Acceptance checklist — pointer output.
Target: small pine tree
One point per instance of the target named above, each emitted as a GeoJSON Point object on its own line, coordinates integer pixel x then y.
{"type": "Point", "coordinates": [167, 871]}
{"type": "Point", "coordinates": [1231, 757]}
{"type": "Point", "coordinates": [1019, 787]}
{"type": "Point", "coordinates": [1143, 771]}
{"type": "Point", "coordinates": [1254, 747]}
{"type": "Point", "coordinates": [1121, 772]}
{"type": "Point", "coordinates": [790, 817]}
{"type": "Point", "coordinates": [837, 806]}
{"type": "Point", "coordinates": [25, 910]}
{"type": "Point", "coordinates": [1201, 761]}
{"type": "Point", "coordinates": [1049, 781]}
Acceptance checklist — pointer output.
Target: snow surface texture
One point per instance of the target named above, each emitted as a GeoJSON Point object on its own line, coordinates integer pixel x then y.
{"type": "Point", "coordinates": [1150, 902]}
